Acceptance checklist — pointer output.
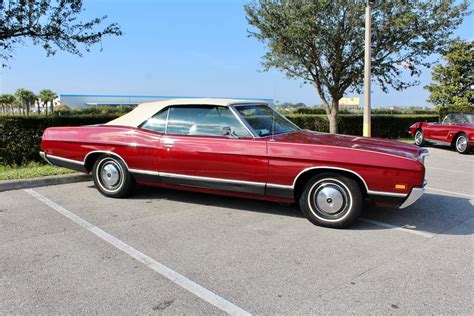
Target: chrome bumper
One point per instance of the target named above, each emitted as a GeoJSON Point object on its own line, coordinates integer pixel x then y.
{"type": "Point", "coordinates": [415, 194]}
{"type": "Point", "coordinates": [43, 155]}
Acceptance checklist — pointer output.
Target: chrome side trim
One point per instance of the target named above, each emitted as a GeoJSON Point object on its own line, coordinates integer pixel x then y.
{"type": "Point", "coordinates": [199, 178]}
{"type": "Point", "coordinates": [437, 142]}
{"type": "Point", "coordinates": [386, 193]}
{"type": "Point", "coordinates": [423, 156]}
{"type": "Point", "coordinates": [334, 168]}
{"type": "Point", "coordinates": [279, 186]}
{"type": "Point", "coordinates": [77, 162]}
{"type": "Point", "coordinates": [415, 194]}
{"type": "Point", "coordinates": [152, 173]}
{"type": "Point", "coordinates": [104, 152]}
{"type": "Point", "coordinates": [43, 155]}
{"type": "Point", "coordinates": [183, 176]}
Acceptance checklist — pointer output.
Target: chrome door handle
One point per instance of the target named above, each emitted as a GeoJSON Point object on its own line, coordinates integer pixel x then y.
{"type": "Point", "coordinates": [168, 143]}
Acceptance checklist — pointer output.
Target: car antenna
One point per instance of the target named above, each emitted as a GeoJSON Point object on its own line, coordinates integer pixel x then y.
{"type": "Point", "coordinates": [273, 122]}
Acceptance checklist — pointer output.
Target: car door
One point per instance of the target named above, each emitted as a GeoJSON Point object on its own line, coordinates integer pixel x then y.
{"type": "Point", "coordinates": [439, 132]}
{"type": "Point", "coordinates": [207, 146]}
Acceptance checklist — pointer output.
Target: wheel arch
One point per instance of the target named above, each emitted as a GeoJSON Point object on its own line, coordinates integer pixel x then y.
{"type": "Point", "coordinates": [418, 128]}
{"type": "Point", "coordinates": [455, 137]}
{"type": "Point", "coordinates": [304, 176]}
{"type": "Point", "coordinates": [92, 156]}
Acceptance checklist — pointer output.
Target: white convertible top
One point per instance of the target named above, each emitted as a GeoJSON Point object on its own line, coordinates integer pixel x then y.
{"type": "Point", "coordinates": [146, 110]}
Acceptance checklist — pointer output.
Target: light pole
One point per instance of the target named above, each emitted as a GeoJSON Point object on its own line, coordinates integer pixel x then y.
{"type": "Point", "coordinates": [367, 71]}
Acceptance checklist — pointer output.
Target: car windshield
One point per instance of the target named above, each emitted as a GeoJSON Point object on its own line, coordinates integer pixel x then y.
{"type": "Point", "coordinates": [469, 118]}
{"type": "Point", "coordinates": [459, 118]}
{"type": "Point", "coordinates": [264, 120]}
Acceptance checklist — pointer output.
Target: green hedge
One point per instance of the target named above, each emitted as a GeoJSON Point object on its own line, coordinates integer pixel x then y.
{"type": "Point", "coordinates": [385, 126]}
{"type": "Point", "coordinates": [21, 136]}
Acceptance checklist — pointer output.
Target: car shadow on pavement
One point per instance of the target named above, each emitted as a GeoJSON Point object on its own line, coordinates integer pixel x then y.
{"type": "Point", "coordinates": [449, 148]}
{"type": "Point", "coordinates": [237, 203]}
{"type": "Point", "coordinates": [433, 213]}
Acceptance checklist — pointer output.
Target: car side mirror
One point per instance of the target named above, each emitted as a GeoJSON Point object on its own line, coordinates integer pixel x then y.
{"type": "Point", "coordinates": [227, 131]}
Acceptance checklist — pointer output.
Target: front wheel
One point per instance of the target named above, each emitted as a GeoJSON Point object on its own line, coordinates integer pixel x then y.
{"type": "Point", "coordinates": [419, 138]}
{"type": "Point", "coordinates": [331, 200]}
{"type": "Point", "coordinates": [462, 144]}
{"type": "Point", "coordinates": [111, 177]}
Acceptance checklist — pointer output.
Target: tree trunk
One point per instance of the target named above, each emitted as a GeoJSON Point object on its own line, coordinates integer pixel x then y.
{"type": "Point", "coordinates": [46, 104]}
{"type": "Point", "coordinates": [52, 106]}
{"type": "Point", "coordinates": [332, 117]}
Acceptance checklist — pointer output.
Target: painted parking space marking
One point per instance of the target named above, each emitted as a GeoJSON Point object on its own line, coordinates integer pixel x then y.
{"type": "Point", "coordinates": [449, 170]}
{"type": "Point", "coordinates": [450, 192]}
{"type": "Point", "coordinates": [400, 228]}
{"type": "Point", "coordinates": [151, 263]}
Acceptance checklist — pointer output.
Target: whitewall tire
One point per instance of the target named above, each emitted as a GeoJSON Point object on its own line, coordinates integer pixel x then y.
{"type": "Point", "coordinates": [331, 200]}
{"type": "Point", "coordinates": [111, 177]}
{"type": "Point", "coordinates": [462, 144]}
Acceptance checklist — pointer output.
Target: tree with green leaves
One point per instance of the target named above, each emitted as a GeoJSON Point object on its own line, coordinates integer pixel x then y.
{"type": "Point", "coordinates": [453, 82]}
{"type": "Point", "coordinates": [47, 97]}
{"type": "Point", "coordinates": [7, 101]}
{"type": "Point", "coordinates": [26, 98]}
{"type": "Point", "coordinates": [322, 41]}
{"type": "Point", "coordinates": [53, 24]}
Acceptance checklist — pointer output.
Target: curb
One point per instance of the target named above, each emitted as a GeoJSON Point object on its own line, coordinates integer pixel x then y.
{"type": "Point", "coordinates": [8, 185]}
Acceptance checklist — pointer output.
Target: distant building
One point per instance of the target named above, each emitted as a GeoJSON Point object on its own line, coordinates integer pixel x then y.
{"type": "Point", "coordinates": [349, 103]}
{"type": "Point", "coordinates": [116, 100]}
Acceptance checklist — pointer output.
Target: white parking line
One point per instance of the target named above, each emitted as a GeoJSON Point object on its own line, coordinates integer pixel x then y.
{"type": "Point", "coordinates": [168, 273]}
{"type": "Point", "coordinates": [450, 192]}
{"type": "Point", "coordinates": [444, 169]}
{"type": "Point", "coordinates": [406, 230]}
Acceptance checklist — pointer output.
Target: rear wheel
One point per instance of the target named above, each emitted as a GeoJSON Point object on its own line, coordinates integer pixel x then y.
{"type": "Point", "coordinates": [419, 138]}
{"type": "Point", "coordinates": [331, 200]}
{"type": "Point", "coordinates": [462, 144]}
{"type": "Point", "coordinates": [111, 177]}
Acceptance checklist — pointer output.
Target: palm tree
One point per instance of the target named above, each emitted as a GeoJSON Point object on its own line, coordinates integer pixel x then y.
{"type": "Point", "coordinates": [26, 98]}
{"type": "Point", "coordinates": [47, 96]}
{"type": "Point", "coordinates": [7, 101]}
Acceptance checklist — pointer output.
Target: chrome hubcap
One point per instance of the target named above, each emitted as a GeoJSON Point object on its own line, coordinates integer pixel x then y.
{"type": "Point", "coordinates": [329, 199]}
{"type": "Point", "coordinates": [418, 137]}
{"type": "Point", "coordinates": [110, 175]}
{"type": "Point", "coordinates": [461, 143]}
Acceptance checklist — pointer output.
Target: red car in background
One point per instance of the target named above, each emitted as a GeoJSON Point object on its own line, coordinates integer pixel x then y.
{"type": "Point", "coordinates": [241, 148]}
{"type": "Point", "coordinates": [456, 130]}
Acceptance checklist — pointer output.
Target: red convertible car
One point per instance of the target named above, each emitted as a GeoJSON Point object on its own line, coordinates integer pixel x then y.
{"type": "Point", "coordinates": [456, 130]}
{"type": "Point", "coordinates": [240, 148]}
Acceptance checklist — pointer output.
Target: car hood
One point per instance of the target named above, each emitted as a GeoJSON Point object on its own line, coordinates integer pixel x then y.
{"type": "Point", "coordinates": [353, 142]}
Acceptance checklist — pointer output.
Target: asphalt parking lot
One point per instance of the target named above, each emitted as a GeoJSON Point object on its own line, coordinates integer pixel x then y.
{"type": "Point", "coordinates": [67, 249]}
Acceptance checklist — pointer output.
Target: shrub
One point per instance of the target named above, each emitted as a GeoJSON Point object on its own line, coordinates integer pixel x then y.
{"type": "Point", "coordinates": [320, 110]}
{"type": "Point", "coordinates": [385, 126]}
{"type": "Point", "coordinates": [21, 136]}
{"type": "Point", "coordinates": [103, 110]}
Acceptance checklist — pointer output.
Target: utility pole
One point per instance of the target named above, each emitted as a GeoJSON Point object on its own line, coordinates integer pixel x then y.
{"type": "Point", "coordinates": [367, 70]}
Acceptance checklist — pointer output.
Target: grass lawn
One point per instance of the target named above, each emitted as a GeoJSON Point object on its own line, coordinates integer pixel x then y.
{"type": "Point", "coordinates": [31, 170]}
{"type": "Point", "coordinates": [406, 140]}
